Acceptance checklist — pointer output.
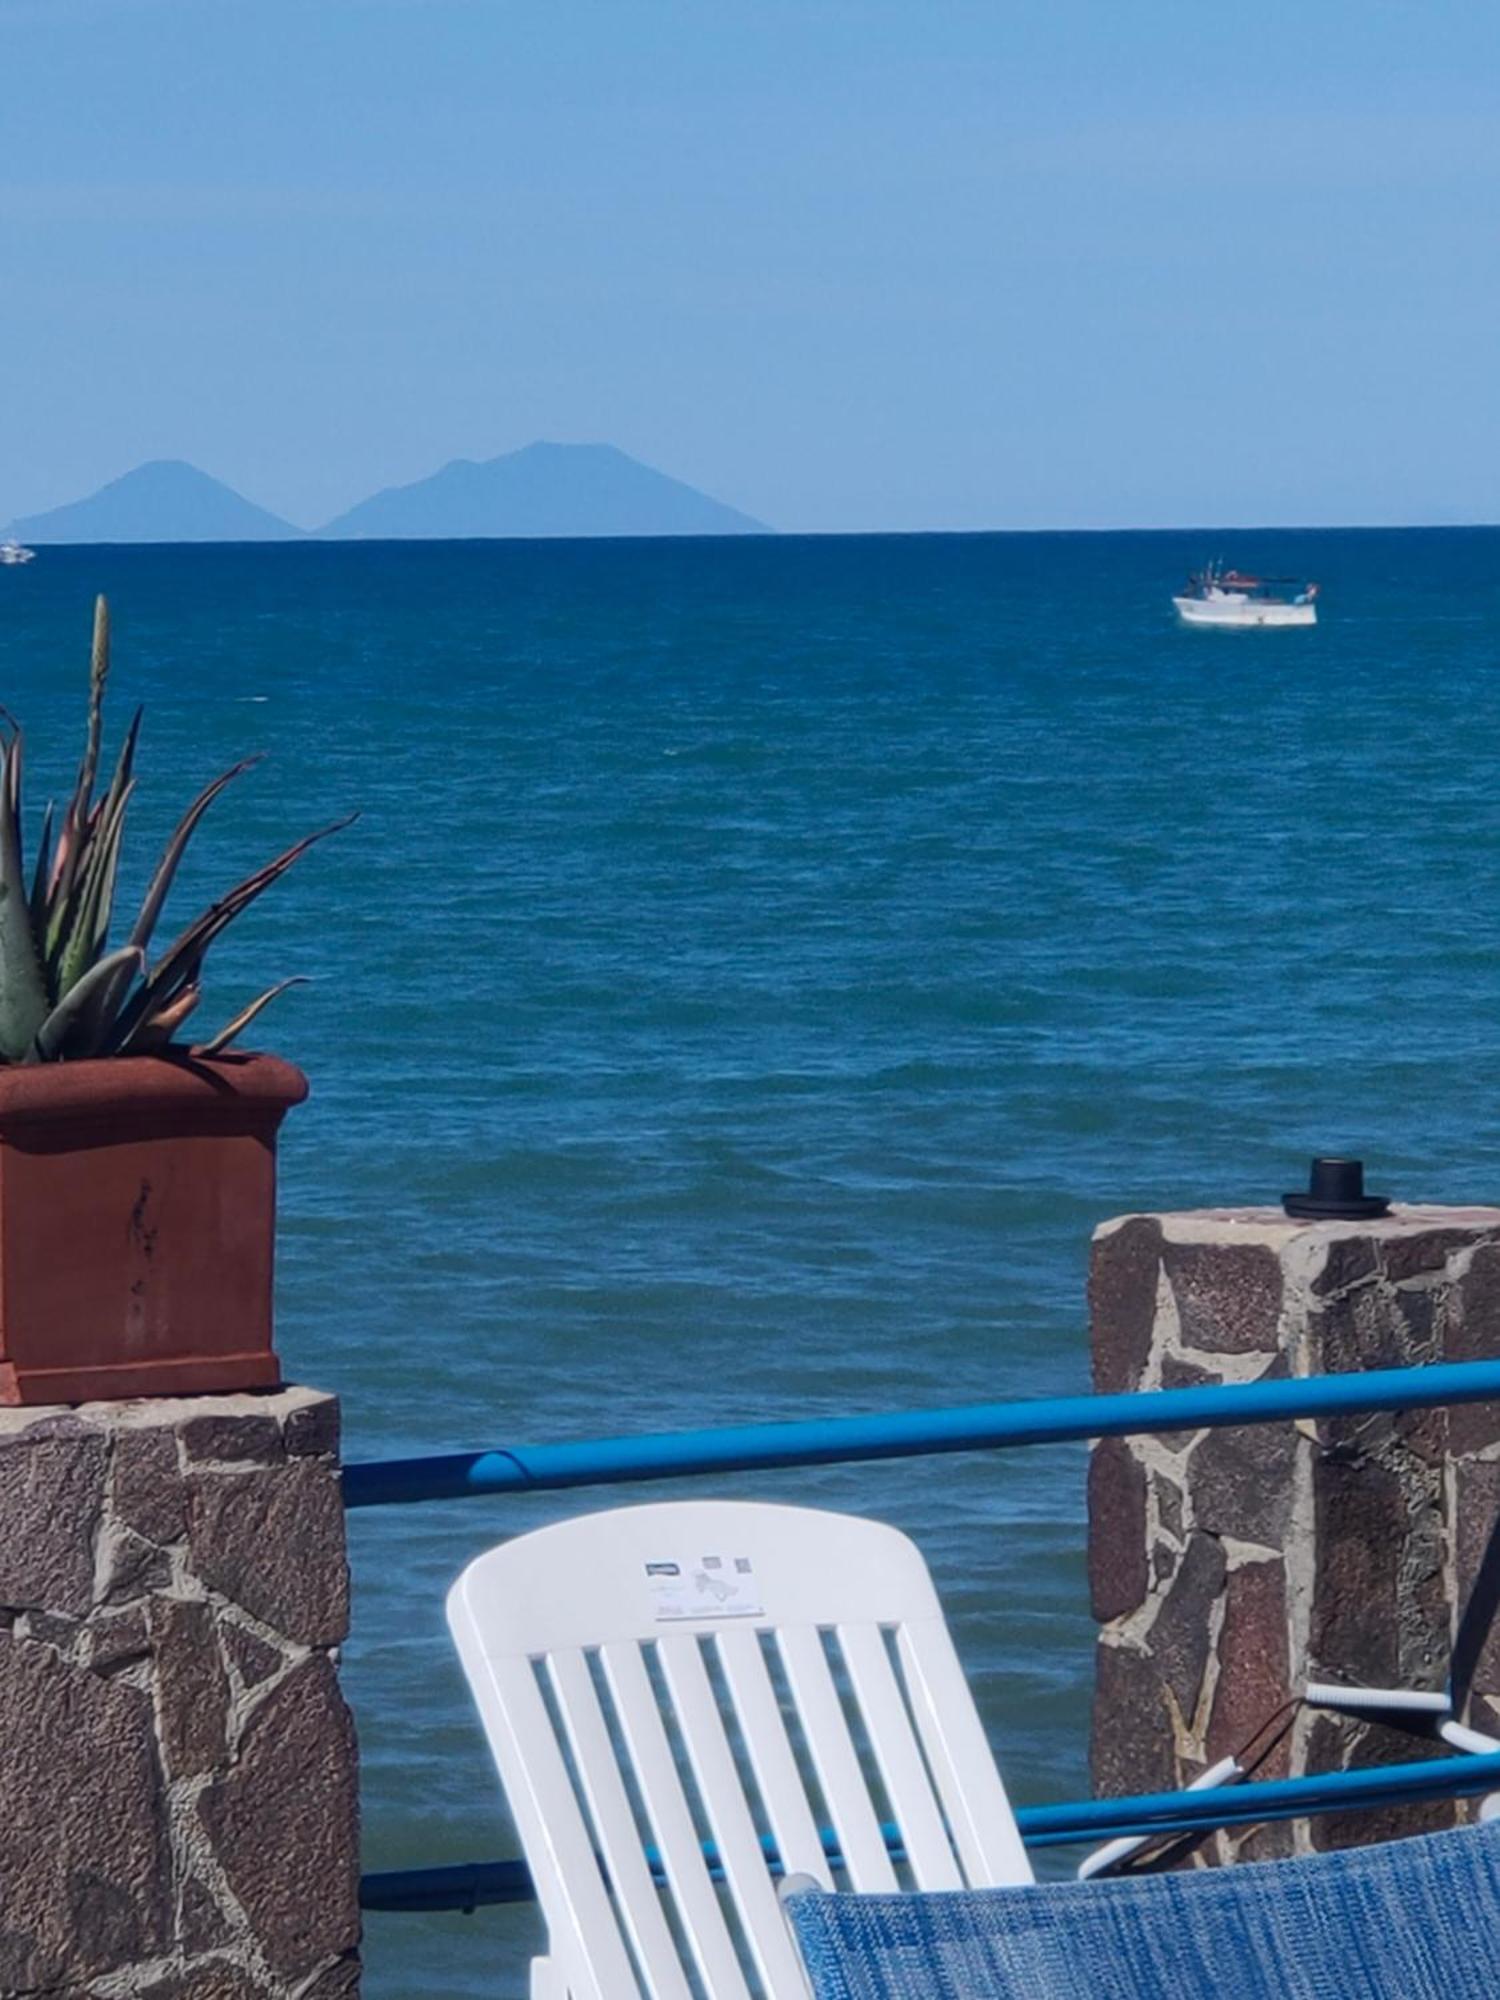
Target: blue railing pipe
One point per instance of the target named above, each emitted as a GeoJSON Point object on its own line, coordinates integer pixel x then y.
{"type": "Point", "coordinates": [471, 1885]}
{"type": "Point", "coordinates": [543, 1468]}
{"type": "Point", "coordinates": [1251, 1805]}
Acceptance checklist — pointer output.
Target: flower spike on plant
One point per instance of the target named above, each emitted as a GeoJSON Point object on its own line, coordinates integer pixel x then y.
{"type": "Point", "coordinates": [63, 994]}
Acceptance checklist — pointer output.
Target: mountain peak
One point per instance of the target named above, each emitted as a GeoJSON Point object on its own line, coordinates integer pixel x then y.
{"type": "Point", "coordinates": [164, 500]}
{"type": "Point", "coordinates": [544, 489]}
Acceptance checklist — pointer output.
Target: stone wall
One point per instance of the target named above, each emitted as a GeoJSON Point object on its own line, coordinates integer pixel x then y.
{"type": "Point", "coordinates": [178, 1811]}
{"type": "Point", "coordinates": [1228, 1568]}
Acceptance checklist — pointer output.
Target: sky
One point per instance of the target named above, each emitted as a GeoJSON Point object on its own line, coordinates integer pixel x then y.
{"type": "Point", "coordinates": [934, 265]}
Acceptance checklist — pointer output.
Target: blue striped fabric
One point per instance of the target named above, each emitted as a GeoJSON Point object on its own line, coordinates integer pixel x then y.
{"type": "Point", "coordinates": [1408, 1920]}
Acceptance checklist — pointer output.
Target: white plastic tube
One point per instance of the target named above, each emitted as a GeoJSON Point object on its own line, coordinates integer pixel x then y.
{"type": "Point", "coordinates": [1364, 1701]}
{"type": "Point", "coordinates": [1225, 1772]}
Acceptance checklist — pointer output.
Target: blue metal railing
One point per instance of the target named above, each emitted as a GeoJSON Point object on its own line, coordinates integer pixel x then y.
{"type": "Point", "coordinates": [472, 1885]}
{"type": "Point", "coordinates": [969, 1427]}
{"type": "Point", "coordinates": [541, 1468]}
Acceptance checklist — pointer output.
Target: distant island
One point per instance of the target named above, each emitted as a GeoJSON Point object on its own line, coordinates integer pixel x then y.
{"type": "Point", "coordinates": [547, 489]}
{"type": "Point", "coordinates": [543, 490]}
{"type": "Point", "coordinates": [163, 501]}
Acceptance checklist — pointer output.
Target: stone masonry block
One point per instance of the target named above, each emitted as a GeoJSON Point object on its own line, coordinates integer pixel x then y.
{"type": "Point", "coordinates": [252, 1658]}
{"type": "Point", "coordinates": [1335, 1745]}
{"type": "Point", "coordinates": [84, 1854]}
{"type": "Point", "coordinates": [1180, 1635]}
{"type": "Point", "coordinates": [147, 1490]}
{"type": "Point", "coordinates": [51, 1493]}
{"type": "Point", "coordinates": [1254, 1663]}
{"type": "Point", "coordinates": [1133, 1744]}
{"type": "Point", "coordinates": [1348, 1260]}
{"type": "Point", "coordinates": [1278, 1554]}
{"type": "Point", "coordinates": [178, 1802]}
{"type": "Point", "coordinates": [255, 1440]}
{"type": "Point", "coordinates": [1241, 1483]}
{"type": "Point", "coordinates": [1122, 1300]}
{"type": "Point", "coordinates": [235, 1517]}
{"type": "Point", "coordinates": [283, 1823]}
{"type": "Point", "coordinates": [1359, 1522]}
{"type": "Point", "coordinates": [192, 1687]}
{"type": "Point", "coordinates": [1228, 1295]}
{"type": "Point", "coordinates": [1117, 1555]}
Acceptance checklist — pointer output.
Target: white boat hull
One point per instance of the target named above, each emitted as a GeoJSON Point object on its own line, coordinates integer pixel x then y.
{"type": "Point", "coordinates": [1242, 612]}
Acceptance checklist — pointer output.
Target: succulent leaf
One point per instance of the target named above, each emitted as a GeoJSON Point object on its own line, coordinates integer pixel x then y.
{"type": "Point", "coordinates": [175, 848]}
{"type": "Point", "coordinates": [39, 878]}
{"type": "Point", "coordinates": [235, 1028]}
{"type": "Point", "coordinates": [157, 1030]}
{"type": "Point", "coordinates": [23, 991]}
{"type": "Point", "coordinates": [63, 994]}
{"type": "Point", "coordinates": [64, 1030]}
{"type": "Point", "coordinates": [184, 956]}
{"type": "Point", "coordinates": [94, 900]}
{"type": "Point", "coordinates": [98, 676]}
{"type": "Point", "coordinates": [81, 817]}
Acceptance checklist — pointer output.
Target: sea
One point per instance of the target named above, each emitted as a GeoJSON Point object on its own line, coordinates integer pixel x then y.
{"type": "Point", "coordinates": [758, 967]}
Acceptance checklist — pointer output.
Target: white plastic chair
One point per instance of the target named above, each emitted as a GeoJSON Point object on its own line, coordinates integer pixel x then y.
{"type": "Point", "coordinates": [654, 1678]}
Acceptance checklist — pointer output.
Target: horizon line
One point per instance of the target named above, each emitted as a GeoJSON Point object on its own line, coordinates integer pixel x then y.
{"type": "Point", "coordinates": [318, 538]}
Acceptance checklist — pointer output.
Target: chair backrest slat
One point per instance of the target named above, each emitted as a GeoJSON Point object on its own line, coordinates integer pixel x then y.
{"type": "Point", "coordinates": [597, 1764]}
{"type": "Point", "coordinates": [570, 1889]}
{"type": "Point", "coordinates": [666, 1805]}
{"type": "Point", "coordinates": [845, 1788]}
{"type": "Point", "coordinates": [984, 1827]}
{"type": "Point", "coordinates": [771, 1755]}
{"type": "Point", "coordinates": [909, 1788]}
{"type": "Point", "coordinates": [720, 1671]}
{"type": "Point", "coordinates": [722, 1790]}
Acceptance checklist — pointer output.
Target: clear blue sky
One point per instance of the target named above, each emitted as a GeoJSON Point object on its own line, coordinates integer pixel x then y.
{"type": "Point", "coordinates": [843, 263]}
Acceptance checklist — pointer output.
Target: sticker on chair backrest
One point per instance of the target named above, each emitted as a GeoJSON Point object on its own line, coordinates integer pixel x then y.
{"type": "Point", "coordinates": [704, 1587]}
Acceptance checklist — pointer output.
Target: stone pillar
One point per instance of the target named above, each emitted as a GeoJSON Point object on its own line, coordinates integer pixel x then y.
{"type": "Point", "coordinates": [1227, 1568]}
{"type": "Point", "coordinates": [178, 1810]}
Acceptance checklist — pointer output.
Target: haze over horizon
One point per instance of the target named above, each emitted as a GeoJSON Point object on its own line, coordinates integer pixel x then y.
{"type": "Point", "coordinates": [864, 269]}
{"type": "Point", "coordinates": [545, 489]}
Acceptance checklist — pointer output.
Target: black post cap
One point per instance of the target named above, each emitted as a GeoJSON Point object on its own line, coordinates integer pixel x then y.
{"type": "Point", "coordinates": [1335, 1193]}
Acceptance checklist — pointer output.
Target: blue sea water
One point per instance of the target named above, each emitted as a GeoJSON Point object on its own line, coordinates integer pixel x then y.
{"type": "Point", "coordinates": [758, 967]}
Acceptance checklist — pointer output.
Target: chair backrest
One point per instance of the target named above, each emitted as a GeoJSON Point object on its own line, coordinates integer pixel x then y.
{"type": "Point", "coordinates": [656, 1678]}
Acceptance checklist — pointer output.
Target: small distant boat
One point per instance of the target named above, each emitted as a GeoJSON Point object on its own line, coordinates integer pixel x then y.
{"type": "Point", "coordinates": [11, 551]}
{"type": "Point", "coordinates": [1219, 596]}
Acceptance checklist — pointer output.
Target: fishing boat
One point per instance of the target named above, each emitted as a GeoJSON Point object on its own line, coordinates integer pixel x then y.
{"type": "Point", "coordinates": [11, 551]}
{"type": "Point", "coordinates": [1219, 596]}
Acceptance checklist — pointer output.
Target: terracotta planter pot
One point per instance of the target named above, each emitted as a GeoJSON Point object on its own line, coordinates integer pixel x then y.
{"type": "Point", "coordinates": [137, 1223]}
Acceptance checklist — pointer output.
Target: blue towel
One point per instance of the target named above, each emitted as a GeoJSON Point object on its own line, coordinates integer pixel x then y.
{"type": "Point", "coordinates": [1408, 1920]}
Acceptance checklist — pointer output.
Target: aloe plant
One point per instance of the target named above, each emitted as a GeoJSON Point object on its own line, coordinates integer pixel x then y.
{"type": "Point", "coordinates": [64, 994]}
